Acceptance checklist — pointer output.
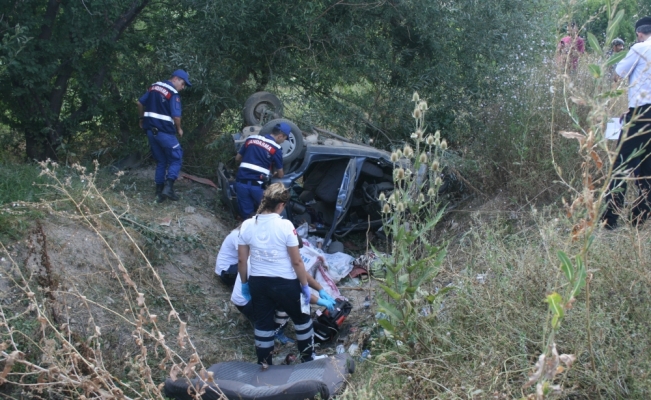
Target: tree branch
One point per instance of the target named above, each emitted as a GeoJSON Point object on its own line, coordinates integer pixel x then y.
{"type": "Point", "coordinates": [127, 18]}
{"type": "Point", "coordinates": [48, 19]}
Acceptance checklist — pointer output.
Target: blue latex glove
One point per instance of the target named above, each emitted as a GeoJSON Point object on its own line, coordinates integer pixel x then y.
{"type": "Point", "coordinates": [246, 292]}
{"type": "Point", "coordinates": [324, 295]}
{"type": "Point", "coordinates": [329, 304]}
{"type": "Point", "coordinates": [305, 289]}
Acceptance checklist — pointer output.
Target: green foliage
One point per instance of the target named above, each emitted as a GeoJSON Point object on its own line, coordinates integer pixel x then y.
{"type": "Point", "coordinates": [410, 218]}
{"type": "Point", "coordinates": [19, 183]}
{"type": "Point", "coordinates": [596, 15]}
{"type": "Point", "coordinates": [13, 41]}
{"type": "Point", "coordinates": [75, 82]}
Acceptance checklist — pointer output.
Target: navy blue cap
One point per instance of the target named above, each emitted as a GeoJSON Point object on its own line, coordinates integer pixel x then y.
{"type": "Point", "coordinates": [183, 75]}
{"type": "Point", "coordinates": [284, 128]}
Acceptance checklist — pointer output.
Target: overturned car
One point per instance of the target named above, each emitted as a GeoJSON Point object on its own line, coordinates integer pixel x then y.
{"type": "Point", "coordinates": [335, 184]}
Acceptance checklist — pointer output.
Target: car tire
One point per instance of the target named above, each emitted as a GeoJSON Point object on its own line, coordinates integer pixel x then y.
{"type": "Point", "coordinates": [293, 146]}
{"type": "Point", "coordinates": [260, 107]}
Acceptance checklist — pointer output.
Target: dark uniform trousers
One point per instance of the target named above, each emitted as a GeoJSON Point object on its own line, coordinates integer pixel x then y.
{"type": "Point", "coordinates": [269, 294]}
{"type": "Point", "coordinates": [637, 137]}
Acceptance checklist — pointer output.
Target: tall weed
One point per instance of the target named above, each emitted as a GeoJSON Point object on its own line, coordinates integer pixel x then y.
{"type": "Point", "coordinates": [410, 214]}
{"type": "Point", "coordinates": [57, 336]}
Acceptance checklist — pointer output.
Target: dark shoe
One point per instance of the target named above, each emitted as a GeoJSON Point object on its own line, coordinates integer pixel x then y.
{"type": "Point", "coordinates": [168, 191]}
{"type": "Point", "coordinates": [159, 193]}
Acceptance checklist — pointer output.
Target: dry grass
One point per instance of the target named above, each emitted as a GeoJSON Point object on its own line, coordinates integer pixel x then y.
{"type": "Point", "coordinates": [85, 311]}
{"type": "Point", "coordinates": [489, 332]}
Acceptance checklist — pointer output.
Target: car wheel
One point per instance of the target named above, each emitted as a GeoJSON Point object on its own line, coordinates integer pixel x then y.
{"type": "Point", "coordinates": [228, 198]}
{"type": "Point", "coordinates": [262, 107]}
{"type": "Point", "coordinates": [293, 146]}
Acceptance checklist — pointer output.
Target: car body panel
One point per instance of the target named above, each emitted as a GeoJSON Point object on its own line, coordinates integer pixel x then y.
{"type": "Point", "coordinates": [345, 194]}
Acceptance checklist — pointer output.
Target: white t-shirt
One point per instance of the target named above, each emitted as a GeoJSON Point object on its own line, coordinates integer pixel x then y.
{"type": "Point", "coordinates": [268, 236]}
{"type": "Point", "coordinates": [636, 66]}
{"type": "Point", "coordinates": [227, 255]}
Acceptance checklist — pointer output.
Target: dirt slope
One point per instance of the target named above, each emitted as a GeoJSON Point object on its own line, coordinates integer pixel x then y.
{"type": "Point", "coordinates": [77, 273]}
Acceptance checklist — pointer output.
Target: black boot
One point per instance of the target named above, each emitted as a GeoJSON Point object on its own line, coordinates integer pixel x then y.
{"type": "Point", "coordinates": [159, 190]}
{"type": "Point", "coordinates": [168, 191]}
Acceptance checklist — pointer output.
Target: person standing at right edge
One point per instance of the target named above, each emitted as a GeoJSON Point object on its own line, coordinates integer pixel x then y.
{"type": "Point", "coordinates": [160, 115]}
{"type": "Point", "coordinates": [277, 278]}
{"type": "Point", "coordinates": [636, 132]}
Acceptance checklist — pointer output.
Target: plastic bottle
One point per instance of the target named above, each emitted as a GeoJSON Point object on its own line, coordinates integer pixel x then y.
{"type": "Point", "coordinates": [341, 349]}
{"type": "Point", "coordinates": [353, 349]}
{"type": "Point", "coordinates": [365, 354]}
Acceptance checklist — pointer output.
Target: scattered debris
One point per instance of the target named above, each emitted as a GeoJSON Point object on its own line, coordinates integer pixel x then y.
{"type": "Point", "coordinates": [167, 221]}
{"type": "Point", "coordinates": [197, 179]}
{"type": "Point", "coordinates": [353, 349]}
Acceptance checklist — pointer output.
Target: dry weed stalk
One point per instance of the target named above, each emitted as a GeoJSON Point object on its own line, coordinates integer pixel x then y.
{"type": "Point", "coordinates": [69, 363]}
{"type": "Point", "coordinates": [585, 208]}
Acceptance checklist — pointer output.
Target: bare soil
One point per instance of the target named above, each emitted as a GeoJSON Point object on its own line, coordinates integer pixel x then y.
{"type": "Point", "coordinates": [66, 261]}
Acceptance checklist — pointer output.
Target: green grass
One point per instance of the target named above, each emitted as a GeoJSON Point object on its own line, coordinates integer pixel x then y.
{"type": "Point", "coordinates": [18, 183]}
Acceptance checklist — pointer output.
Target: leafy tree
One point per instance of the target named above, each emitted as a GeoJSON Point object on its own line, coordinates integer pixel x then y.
{"type": "Point", "coordinates": [644, 7]}
{"type": "Point", "coordinates": [347, 65]}
{"type": "Point", "coordinates": [61, 80]}
{"type": "Point", "coordinates": [352, 64]}
{"type": "Point", "coordinates": [594, 14]}
{"type": "Point", "coordinates": [13, 41]}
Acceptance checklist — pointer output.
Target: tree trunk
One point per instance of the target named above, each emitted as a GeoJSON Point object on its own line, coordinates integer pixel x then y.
{"type": "Point", "coordinates": [39, 147]}
{"type": "Point", "coordinates": [123, 115]}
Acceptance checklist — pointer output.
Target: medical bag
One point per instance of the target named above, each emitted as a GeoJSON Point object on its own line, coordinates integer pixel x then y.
{"type": "Point", "coordinates": [327, 323]}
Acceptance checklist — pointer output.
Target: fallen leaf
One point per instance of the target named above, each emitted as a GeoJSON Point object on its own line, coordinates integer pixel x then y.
{"type": "Point", "coordinates": [183, 334]}
{"type": "Point", "coordinates": [9, 363]}
{"type": "Point", "coordinates": [572, 135]}
{"type": "Point", "coordinates": [174, 371]}
{"type": "Point", "coordinates": [578, 101]}
{"type": "Point", "coordinates": [597, 159]}
{"type": "Point", "coordinates": [568, 359]}
{"type": "Point", "coordinates": [141, 299]}
{"type": "Point", "coordinates": [188, 371]}
{"type": "Point", "coordinates": [207, 376]}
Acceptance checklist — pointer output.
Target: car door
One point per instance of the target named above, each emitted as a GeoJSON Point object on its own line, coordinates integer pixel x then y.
{"type": "Point", "coordinates": [345, 194]}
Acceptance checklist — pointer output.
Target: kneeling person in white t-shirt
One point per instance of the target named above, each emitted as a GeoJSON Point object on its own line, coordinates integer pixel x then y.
{"type": "Point", "coordinates": [226, 264]}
